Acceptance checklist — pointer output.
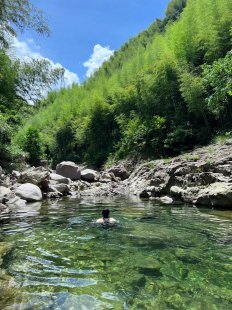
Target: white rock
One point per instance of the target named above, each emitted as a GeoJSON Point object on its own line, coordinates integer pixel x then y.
{"type": "Point", "coordinates": [29, 192]}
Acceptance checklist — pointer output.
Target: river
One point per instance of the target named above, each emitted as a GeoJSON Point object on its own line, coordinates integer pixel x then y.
{"type": "Point", "coordinates": [157, 257]}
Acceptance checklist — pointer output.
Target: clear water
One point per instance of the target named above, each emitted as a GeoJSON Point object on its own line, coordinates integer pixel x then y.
{"type": "Point", "coordinates": [156, 258]}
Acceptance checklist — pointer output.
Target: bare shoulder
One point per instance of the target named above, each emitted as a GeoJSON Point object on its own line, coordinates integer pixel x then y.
{"type": "Point", "coordinates": [100, 221]}
{"type": "Point", "coordinates": [112, 220]}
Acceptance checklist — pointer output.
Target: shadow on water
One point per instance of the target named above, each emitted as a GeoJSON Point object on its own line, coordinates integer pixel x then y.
{"type": "Point", "coordinates": [155, 258]}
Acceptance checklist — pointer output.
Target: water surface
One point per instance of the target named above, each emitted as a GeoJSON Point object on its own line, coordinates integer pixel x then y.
{"type": "Point", "coordinates": [158, 257]}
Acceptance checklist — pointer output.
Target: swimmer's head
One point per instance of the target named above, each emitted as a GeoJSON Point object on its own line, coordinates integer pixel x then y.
{"type": "Point", "coordinates": [105, 213]}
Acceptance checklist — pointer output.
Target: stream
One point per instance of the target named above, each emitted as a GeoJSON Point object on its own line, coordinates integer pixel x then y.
{"type": "Point", "coordinates": [157, 257]}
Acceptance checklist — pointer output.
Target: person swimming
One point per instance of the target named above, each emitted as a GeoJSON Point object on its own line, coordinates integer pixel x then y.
{"type": "Point", "coordinates": [105, 218]}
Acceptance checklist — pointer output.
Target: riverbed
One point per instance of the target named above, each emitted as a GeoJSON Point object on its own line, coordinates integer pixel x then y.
{"type": "Point", "coordinates": [157, 257]}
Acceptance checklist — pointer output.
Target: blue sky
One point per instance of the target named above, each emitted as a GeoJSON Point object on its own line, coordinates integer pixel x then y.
{"type": "Point", "coordinates": [88, 31]}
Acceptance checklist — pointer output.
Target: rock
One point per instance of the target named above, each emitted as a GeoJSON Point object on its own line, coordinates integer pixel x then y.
{"type": "Point", "coordinates": [4, 192]}
{"type": "Point", "coordinates": [69, 170]}
{"type": "Point", "coordinates": [38, 176]}
{"type": "Point", "coordinates": [89, 175]}
{"type": "Point", "coordinates": [166, 200]}
{"type": "Point", "coordinates": [59, 178]}
{"type": "Point", "coordinates": [44, 163]}
{"type": "Point", "coordinates": [62, 188]}
{"type": "Point", "coordinates": [120, 172]}
{"type": "Point", "coordinates": [16, 201]}
{"type": "Point", "coordinates": [176, 192]}
{"type": "Point", "coordinates": [29, 192]}
{"type": "Point", "coordinates": [226, 170]}
{"type": "Point", "coordinates": [107, 177]}
{"type": "Point", "coordinates": [145, 194]}
{"type": "Point", "coordinates": [16, 174]}
{"type": "Point", "coordinates": [216, 195]}
{"type": "Point", "coordinates": [53, 195]}
{"type": "Point", "coordinates": [4, 209]}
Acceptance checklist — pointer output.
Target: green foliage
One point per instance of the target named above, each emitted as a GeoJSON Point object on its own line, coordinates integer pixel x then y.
{"type": "Point", "coordinates": [141, 137]}
{"type": "Point", "coordinates": [180, 139]}
{"type": "Point", "coordinates": [5, 138]}
{"type": "Point", "coordinates": [35, 77]}
{"type": "Point", "coordinates": [18, 15]}
{"type": "Point", "coordinates": [32, 145]}
{"type": "Point", "coordinates": [100, 134]}
{"type": "Point", "coordinates": [162, 93]}
{"type": "Point", "coordinates": [218, 81]}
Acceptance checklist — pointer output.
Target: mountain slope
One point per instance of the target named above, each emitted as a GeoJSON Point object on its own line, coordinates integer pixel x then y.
{"type": "Point", "coordinates": [160, 94]}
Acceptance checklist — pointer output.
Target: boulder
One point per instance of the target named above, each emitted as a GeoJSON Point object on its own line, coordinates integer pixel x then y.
{"type": "Point", "coordinates": [120, 172]}
{"type": "Point", "coordinates": [37, 176]}
{"type": "Point", "coordinates": [165, 200]}
{"type": "Point", "coordinates": [16, 201]}
{"type": "Point", "coordinates": [4, 192]}
{"type": "Point", "coordinates": [29, 192]}
{"type": "Point", "coordinates": [216, 195]}
{"type": "Point", "coordinates": [107, 177]}
{"type": "Point", "coordinates": [4, 208]}
{"type": "Point", "coordinates": [62, 188]}
{"type": "Point", "coordinates": [176, 191]}
{"type": "Point", "coordinates": [69, 170]}
{"type": "Point", "coordinates": [16, 174]}
{"type": "Point", "coordinates": [89, 175]}
{"type": "Point", "coordinates": [59, 178]}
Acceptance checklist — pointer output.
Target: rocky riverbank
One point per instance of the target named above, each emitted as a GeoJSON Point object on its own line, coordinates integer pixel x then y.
{"type": "Point", "coordinates": [201, 177]}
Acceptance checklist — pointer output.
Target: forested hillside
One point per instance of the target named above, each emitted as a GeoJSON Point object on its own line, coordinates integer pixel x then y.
{"type": "Point", "coordinates": [163, 92]}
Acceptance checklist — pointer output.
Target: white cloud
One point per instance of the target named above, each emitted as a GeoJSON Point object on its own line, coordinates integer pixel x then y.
{"type": "Point", "coordinates": [100, 55]}
{"type": "Point", "coordinates": [28, 49]}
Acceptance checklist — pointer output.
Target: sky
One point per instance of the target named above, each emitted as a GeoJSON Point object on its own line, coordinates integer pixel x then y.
{"type": "Point", "coordinates": [85, 33]}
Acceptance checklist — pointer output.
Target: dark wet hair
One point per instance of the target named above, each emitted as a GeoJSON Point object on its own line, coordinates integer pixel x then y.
{"type": "Point", "coordinates": [105, 213]}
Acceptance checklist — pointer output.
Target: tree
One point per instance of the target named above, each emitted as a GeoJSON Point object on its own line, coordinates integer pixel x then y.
{"type": "Point", "coordinates": [35, 77]}
{"type": "Point", "coordinates": [19, 15]}
{"type": "Point", "coordinates": [194, 94]}
{"type": "Point", "coordinates": [32, 145]}
{"type": "Point", "coordinates": [217, 80]}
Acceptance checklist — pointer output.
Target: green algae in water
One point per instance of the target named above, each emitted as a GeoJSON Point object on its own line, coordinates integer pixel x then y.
{"type": "Point", "coordinates": [156, 258]}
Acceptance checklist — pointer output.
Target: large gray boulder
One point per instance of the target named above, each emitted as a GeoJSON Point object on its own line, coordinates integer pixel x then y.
{"type": "Point", "coordinates": [69, 170]}
{"type": "Point", "coordinates": [29, 192]}
{"type": "Point", "coordinates": [89, 175]}
{"type": "Point", "coordinates": [57, 178]}
{"type": "Point", "coordinates": [216, 195]}
{"type": "Point", "coordinates": [37, 176]}
{"type": "Point", "coordinates": [120, 172]}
